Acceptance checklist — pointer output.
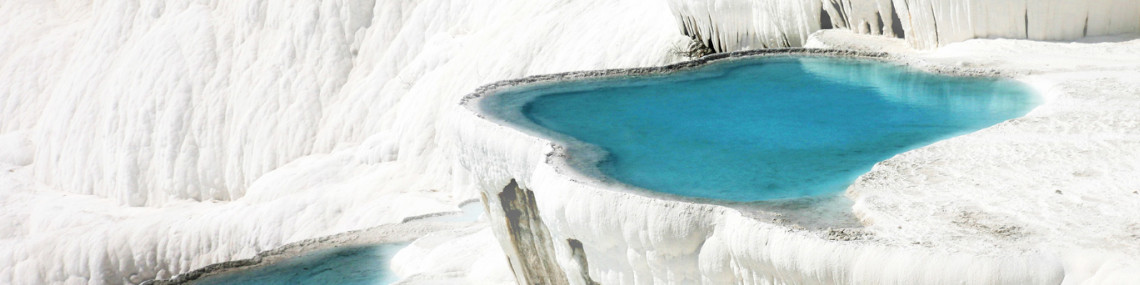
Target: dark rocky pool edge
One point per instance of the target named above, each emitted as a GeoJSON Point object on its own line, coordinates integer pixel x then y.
{"type": "Point", "coordinates": [708, 59]}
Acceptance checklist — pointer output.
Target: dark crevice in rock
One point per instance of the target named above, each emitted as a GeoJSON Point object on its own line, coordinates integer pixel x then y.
{"type": "Point", "coordinates": [1085, 33]}
{"type": "Point", "coordinates": [579, 255]}
{"type": "Point", "coordinates": [843, 21]}
{"type": "Point", "coordinates": [881, 29]}
{"type": "Point", "coordinates": [1027, 23]}
{"type": "Point", "coordinates": [530, 239]}
{"type": "Point", "coordinates": [934, 19]}
{"type": "Point", "coordinates": [896, 23]}
{"type": "Point", "coordinates": [685, 27]}
{"type": "Point", "coordinates": [824, 20]}
{"type": "Point", "coordinates": [909, 16]}
{"type": "Point", "coordinates": [694, 31]}
{"type": "Point", "coordinates": [718, 45]}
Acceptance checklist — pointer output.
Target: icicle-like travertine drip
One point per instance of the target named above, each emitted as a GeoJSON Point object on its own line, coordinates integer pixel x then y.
{"type": "Point", "coordinates": [729, 25]}
{"type": "Point", "coordinates": [144, 139]}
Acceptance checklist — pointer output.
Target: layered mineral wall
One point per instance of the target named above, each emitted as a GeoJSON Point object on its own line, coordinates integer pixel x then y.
{"type": "Point", "coordinates": [739, 25]}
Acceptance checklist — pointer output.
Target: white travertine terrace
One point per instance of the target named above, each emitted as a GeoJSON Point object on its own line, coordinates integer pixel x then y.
{"type": "Point", "coordinates": [1043, 199]}
{"type": "Point", "coordinates": [143, 139]}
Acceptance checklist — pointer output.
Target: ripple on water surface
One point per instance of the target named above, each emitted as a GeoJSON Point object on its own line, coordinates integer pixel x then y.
{"type": "Point", "coordinates": [762, 128]}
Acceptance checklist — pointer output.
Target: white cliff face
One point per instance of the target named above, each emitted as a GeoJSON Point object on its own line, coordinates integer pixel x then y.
{"type": "Point", "coordinates": [925, 24]}
{"type": "Point", "coordinates": [145, 139]}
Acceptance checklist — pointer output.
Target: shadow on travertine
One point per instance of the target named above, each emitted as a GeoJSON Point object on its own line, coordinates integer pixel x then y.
{"type": "Point", "coordinates": [1104, 39]}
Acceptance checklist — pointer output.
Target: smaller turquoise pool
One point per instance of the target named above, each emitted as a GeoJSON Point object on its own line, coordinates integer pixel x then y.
{"type": "Point", "coordinates": [762, 128]}
{"type": "Point", "coordinates": [347, 265]}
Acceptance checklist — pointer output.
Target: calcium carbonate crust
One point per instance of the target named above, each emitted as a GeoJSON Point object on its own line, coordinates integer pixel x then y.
{"type": "Point", "coordinates": [631, 236]}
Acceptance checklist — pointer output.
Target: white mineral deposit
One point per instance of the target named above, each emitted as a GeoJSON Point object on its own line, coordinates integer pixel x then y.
{"type": "Point", "coordinates": [146, 139]}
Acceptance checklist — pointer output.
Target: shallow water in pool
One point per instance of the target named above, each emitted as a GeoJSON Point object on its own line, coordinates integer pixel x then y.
{"type": "Point", "coordinates": [768, 128]}
{"type": "Point", "coordinates": [346, 265]}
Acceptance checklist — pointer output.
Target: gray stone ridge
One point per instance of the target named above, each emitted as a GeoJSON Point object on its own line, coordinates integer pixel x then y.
{"type": "Point", "coordinates": [532, 251]}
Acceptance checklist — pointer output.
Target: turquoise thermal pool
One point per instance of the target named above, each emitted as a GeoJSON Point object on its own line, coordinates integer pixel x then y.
{"type": "Point", "coordinates": [358, 264]}
{"type": "Point", "coordinates": [346, 265]}
{"type": "Point", "coordinates": [760, 128]}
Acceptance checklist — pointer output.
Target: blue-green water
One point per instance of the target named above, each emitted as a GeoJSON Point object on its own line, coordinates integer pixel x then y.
{"type": "Point", "coordinates": [366, 264]}
{"type": "Point", "coordinates": [347, 265]}
{"type": "Point", "coordinates": [769, 128]}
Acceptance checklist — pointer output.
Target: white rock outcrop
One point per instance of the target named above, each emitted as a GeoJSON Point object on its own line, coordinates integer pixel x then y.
{"type": "Point", "coordinates": [738, 25]}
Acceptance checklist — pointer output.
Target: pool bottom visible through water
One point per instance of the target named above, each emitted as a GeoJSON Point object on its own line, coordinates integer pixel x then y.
{"type": "Point", "coordinates": [767, 128]}
{"type": "Point", "coordinates": [361, 264]}
{"type": "Point", "coordinates": [345, 265]}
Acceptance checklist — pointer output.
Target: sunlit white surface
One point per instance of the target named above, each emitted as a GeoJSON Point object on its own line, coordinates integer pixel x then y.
{"type": "Point", "coordinates": [142, 139]}
{"type": "Point", "coordinates": [979, 208]}
{"type": "Point", "coordinates": [146, 139]}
